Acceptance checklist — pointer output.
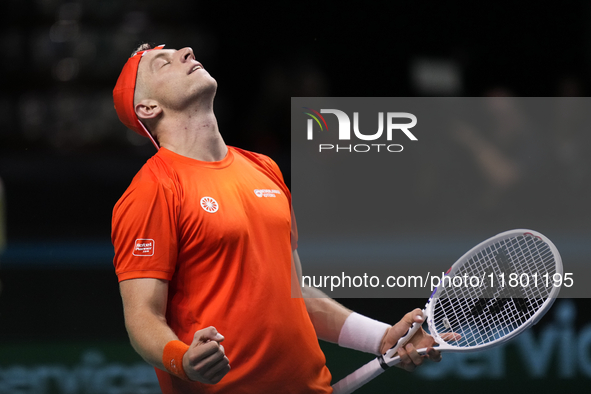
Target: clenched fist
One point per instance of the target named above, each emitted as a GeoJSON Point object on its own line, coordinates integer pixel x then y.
{"type": "Point", "coordinates": [205, 361]}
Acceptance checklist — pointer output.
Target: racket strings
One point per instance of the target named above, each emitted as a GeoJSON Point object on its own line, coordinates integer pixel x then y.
{"type": "Point", "coordinates": [483, 313]}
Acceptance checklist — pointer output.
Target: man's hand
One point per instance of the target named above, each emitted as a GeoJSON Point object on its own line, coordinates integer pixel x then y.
{"type": "Point", "coordinates": [205, 361]}
{"type": "Point", "coordinates": [409, 357]}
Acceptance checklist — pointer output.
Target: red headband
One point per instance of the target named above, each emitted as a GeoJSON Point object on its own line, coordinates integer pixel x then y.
{"type": "Point", "coordinates": [123, 95]}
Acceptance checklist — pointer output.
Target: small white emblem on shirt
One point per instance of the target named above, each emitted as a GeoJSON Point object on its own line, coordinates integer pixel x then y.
{"type": "Point", "coordinates": [266, 192]}
{"type": "Point", "coordinates": [143, 247]}
{"type": "Point", "coordinates": [209, 204]}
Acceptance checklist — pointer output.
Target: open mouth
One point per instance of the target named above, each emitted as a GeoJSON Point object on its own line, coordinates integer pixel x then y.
{"type": "Point", "coordinates": [195, 68]}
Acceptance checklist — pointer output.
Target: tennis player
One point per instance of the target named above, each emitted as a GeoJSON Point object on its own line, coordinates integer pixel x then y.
{"type": "Point", "coordinates": [206, 252]}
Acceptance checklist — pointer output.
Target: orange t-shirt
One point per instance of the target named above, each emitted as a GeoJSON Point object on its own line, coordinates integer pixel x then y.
{"type": "Point", "coordinates": [219, 232]}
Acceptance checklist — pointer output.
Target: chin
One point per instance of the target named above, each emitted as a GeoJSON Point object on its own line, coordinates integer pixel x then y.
{"type": "Point", "coordinates": [210, 87]}
{"type": "Point", "coordinates": [214, 83]}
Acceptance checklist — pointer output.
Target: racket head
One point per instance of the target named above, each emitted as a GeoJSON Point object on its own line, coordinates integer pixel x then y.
{"type": "Point", "coordinates": [485, 316]}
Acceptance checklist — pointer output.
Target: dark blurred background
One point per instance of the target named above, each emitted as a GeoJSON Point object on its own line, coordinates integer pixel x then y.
{"type": "Point", "coordinates": [65, 159]}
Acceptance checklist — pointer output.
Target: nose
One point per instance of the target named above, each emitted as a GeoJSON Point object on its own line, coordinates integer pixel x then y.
{"type": "Point", "coordinates": [186, 54]}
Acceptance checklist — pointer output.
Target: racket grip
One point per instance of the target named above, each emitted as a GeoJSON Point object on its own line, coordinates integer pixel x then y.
{"type": "Point", "coordinates": [402, 341]}
{"type": "Point", "coordinates": [358, 378]}
{"type": "Point", "coordinates": [374, 368]}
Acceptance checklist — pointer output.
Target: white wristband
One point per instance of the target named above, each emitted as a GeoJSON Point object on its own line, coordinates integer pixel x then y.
{"type": "Point", "coordinates": [362, 333]}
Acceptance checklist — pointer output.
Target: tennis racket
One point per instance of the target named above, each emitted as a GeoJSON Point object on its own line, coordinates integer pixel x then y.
{"type": "Point", "coordinates": [515, 288]}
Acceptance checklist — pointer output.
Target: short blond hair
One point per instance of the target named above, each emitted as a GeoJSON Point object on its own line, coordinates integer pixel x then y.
{"type": "Point", "coordinates": [143, 47]}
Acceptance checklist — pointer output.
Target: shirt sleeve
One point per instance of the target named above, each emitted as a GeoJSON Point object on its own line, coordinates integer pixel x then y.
{"type": "Point", "coordinates": [144, 231]}
{"type": "Point", "coordinates": [294, 228]}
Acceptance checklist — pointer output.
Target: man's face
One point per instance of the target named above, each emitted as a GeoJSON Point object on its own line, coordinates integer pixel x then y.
{"type": "Point", "coordinates": [174, 78]}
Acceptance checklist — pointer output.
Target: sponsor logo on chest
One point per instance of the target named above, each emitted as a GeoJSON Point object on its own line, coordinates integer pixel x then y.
{"type": "Point", "coordinates": [266, 193]}
{"type": "Point", "coordinates": [209, 204]}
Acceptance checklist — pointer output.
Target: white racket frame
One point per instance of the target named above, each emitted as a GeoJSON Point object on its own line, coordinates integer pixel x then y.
{"type": "Point", "coordinates": [378, 365]}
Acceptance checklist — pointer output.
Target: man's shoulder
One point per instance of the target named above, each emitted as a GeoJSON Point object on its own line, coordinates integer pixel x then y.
{"type": "Point", "coordinates": [155, 174]}
{"type": "Point", "coordinates": [263, 164]}
{"type": "Point", "coordinates": [249, 154]}
{"type": "Point", "coordinates": [257, 159]}
{"type": "Point", "coordinates": [154, 171]}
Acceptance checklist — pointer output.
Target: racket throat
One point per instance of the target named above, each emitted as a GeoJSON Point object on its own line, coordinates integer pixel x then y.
{"type": "Point", "coordinates": [382, 362]}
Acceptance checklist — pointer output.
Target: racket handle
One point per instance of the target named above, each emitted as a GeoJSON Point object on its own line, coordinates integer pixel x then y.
{"type": "Point", "coordinates": [402, 341]}
{"type": "Point", "coordinates": [358, 378]}
{"type": "Point", "coordinates": [366, 373]}
{"type": "Point", "coordinates": [374, 368]}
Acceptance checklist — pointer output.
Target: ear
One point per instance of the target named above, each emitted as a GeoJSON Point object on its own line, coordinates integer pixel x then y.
{"type": "Point", "coordinates": [148, 109]}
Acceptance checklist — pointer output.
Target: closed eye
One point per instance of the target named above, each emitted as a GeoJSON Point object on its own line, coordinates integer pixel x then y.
{"type": "Point", "coordinates": [160, 60]}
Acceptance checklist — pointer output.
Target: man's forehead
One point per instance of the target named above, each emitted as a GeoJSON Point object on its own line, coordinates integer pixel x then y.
{"type": "Point", "coordinates": [149, 57]}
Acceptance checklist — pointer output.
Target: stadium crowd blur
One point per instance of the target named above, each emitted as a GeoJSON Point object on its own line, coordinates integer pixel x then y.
{"type": "Point", "coordinates": [65, 157]}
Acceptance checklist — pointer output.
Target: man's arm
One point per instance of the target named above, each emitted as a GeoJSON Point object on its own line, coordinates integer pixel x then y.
{"type": "Point", "coordinates": [328, 318]}
{"type": "Point", "coordinates": [144, 304]}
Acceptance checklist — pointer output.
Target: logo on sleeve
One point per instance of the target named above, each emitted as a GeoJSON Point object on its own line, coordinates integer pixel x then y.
{"type": "Point", "coordinates": [266, 192]}
{"type": "Point", "coordinates": [209, 204]}
{"type": "Point", "coordinates": [143, 247]}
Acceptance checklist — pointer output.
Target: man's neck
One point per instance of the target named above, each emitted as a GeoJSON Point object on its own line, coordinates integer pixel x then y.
{"type": "Point", "coordinates": [193, 134]}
